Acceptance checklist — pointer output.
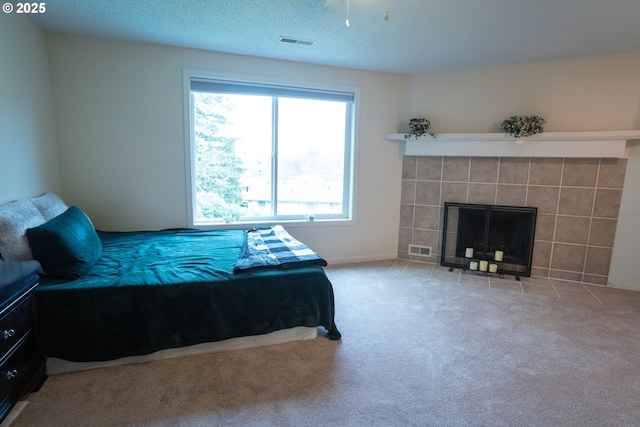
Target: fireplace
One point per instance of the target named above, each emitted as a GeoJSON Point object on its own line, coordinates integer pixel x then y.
{"type": "Point", "coordinates": [496, 239]}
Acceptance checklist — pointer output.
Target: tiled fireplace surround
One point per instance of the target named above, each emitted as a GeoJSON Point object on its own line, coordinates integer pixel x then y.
{"type": "Point", "coordinates": [578, 202]}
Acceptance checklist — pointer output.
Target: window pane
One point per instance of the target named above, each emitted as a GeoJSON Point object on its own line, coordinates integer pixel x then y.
{"type": "Point", "coordinates": [311, 149]}
{"type": "Point", "coordinates": [233, 156]}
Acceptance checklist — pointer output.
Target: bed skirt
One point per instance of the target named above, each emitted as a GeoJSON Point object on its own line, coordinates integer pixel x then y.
{"type": "Point", "coordinates": [299, 333]}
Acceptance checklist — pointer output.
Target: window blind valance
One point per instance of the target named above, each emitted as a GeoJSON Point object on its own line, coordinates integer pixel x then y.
{"type": "Point", "coordinates": [242, 88]}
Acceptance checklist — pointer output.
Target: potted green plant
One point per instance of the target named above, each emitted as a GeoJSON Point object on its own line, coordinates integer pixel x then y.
{"type": "Point", "coordinates": [419, 126]}
{"type": "Point", "coordinates": [522, 126]}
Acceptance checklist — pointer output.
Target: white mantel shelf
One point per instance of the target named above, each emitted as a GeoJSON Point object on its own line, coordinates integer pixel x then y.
{"type": "Point", "coordinates": [547, 144]}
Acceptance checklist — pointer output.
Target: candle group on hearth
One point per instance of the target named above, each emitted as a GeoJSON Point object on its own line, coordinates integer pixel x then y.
{"type": "Point", "coordinates": [483, 265]}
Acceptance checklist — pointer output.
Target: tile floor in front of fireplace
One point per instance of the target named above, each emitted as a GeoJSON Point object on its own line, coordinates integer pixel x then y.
{"type": "Point", "coordinates": [585, 293]}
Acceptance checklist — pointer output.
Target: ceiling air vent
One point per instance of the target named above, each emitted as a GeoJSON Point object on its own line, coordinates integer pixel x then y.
{"type": "Point", "coordinates": [292, 40]}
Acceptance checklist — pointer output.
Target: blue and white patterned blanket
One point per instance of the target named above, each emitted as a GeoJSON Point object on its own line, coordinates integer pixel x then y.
{"type": "Point", "coordinates": [273, 247]}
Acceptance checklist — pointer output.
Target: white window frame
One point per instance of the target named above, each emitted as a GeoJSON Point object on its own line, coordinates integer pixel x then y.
{"type": "Point", "coordinates": [349, 191]}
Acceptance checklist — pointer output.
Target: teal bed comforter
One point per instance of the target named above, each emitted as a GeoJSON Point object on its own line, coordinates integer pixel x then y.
{"type": "Point", "coordinates": [153, 290]}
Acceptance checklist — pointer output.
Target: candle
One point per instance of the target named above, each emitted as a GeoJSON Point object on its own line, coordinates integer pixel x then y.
{"type": "Point", "coordinates": [493, 268]}
{"type": "Point", "coordinates": [498, 255]}
{"type": "Point", "coordinates": [483, 265]}
{"type": "Point", "coordinates": [468, 253]}
{"type": "Point", "coordinates": [473, 265]}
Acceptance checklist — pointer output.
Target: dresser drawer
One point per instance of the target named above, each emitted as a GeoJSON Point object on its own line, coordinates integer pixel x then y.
{"type": "Point", "coordinates": [19, 363]}
{"type": "Point", "coordinates": [17, 322]}
{"type": "Point", "coordinates": [22, 370]}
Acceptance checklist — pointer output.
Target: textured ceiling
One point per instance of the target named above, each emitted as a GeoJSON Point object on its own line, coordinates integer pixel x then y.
{"type": "Point", "coordinates": [420, 36]}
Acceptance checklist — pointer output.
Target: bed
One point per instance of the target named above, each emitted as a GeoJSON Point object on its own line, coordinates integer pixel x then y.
{"type": "Point", "coordinates": [128, 296]}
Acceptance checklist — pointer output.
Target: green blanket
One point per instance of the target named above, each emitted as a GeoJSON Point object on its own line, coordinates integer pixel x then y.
{"type": "Point", "coordinates": [153, 290]}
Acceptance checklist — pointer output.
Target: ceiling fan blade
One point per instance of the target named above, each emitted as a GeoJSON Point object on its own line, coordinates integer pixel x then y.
{"type": "Point", "coordinates": [332, 2]}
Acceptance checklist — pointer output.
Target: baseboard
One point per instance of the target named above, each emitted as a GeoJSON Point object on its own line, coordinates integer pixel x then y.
{"type": "Point", "coordinates": [355, 260]}
{"type": "Point", "coordinates": [13, 414]}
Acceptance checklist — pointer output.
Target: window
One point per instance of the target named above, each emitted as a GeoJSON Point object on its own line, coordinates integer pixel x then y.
{"type": "Point", "coordinates": [262, 152]}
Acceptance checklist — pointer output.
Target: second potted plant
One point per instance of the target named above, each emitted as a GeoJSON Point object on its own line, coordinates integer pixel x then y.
{"type": "Point", "coordinates": [522, 126]}
{"type": "Point", "coordinates": [418, 126]}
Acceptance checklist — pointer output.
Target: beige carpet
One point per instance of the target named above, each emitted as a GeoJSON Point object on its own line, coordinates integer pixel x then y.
{"type": "Point", "coordinates": [415, 352]}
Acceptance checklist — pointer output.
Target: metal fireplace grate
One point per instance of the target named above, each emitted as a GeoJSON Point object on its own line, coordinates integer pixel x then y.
{"type": "Point", "coordinates": [473, 233]}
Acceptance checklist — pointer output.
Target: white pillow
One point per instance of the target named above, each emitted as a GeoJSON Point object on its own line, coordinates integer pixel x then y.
{"type": "Point", "coordinates": [15, 218]}
{"type": "Point", "coordinates": [50, 205]}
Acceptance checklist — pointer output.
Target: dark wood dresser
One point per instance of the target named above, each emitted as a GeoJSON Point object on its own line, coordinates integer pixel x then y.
{"type": "Point", "coordinates": [22, 369]}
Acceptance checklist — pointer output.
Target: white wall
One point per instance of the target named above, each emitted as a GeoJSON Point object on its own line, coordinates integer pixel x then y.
{"type": "Point", "coordinates": [625, 260]}
{"type": "Point", "coordinates": [599, 93]}
{"type": "Point", "coordinates": [28, 151]}
{"type": "Point", "coordinates": [119, 119]}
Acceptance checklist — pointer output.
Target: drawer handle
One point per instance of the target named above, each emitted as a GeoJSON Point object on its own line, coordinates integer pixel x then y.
{"type": "Point", "coordinates": [11, 374]}
{"type": "Point", "coordinates": [8, 333]}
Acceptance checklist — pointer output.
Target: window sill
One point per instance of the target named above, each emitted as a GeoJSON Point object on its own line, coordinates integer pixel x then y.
{"type": "Point", "coordinates": [285, 223]}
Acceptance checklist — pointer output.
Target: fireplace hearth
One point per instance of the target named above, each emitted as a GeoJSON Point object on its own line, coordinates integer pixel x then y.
{"type": "Point", "coordinates": [491, 238]}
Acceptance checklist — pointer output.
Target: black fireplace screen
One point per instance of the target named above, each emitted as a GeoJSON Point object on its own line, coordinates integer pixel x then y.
{"type": "Point", "coordinates": [473, 233]}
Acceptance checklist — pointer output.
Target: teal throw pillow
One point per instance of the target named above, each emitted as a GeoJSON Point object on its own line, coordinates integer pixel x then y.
{"type": "Point", "coordinates": [67, 246]}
